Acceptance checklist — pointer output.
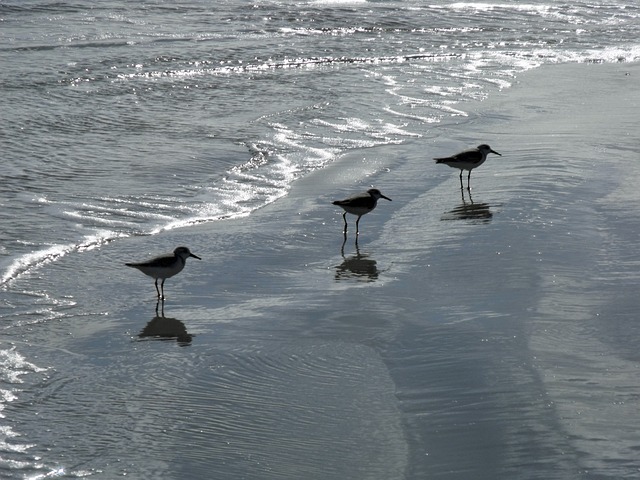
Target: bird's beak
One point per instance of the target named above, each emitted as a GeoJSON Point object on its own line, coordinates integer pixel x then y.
{"type": "Point", "coordinates": [493, 151]}
{"type": "Point", "coordinates": [195, 256]}
{"type": "Point", "coordinates": [386, 198]}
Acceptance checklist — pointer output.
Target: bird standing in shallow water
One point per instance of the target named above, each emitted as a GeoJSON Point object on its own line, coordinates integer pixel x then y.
{"type": "Point", "coordinates": [164, 266]}
{"type": "Point", "coordinates": [359, 205]}
{"type": "Point", "coordinates": [468, 160]}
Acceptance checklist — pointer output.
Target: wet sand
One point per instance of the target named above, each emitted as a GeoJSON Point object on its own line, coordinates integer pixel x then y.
{"type": "Point", "coordinates": [468, 335]}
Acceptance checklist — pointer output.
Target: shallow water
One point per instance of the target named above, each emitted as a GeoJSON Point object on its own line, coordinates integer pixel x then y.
{"type": "Point", "coordinates": [485, 334]}
{"type": "Point", "coordinates": [124, 120]}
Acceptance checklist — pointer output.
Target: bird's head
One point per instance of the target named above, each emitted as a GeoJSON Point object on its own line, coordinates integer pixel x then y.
{"type": "Point", "coordinates": [377, 194]}
{"type": "Point", "coordinates": [486, 149]}
{"type": "Point", "coordinates": [184, 253]}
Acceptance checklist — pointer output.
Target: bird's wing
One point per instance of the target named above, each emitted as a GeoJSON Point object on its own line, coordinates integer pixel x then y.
{"type": "Point", "coordinates": [471, 156]}
{"type": "Point", "coordinates": [162, 261]}
{"type": "Point", "coordinates": [358, 200]}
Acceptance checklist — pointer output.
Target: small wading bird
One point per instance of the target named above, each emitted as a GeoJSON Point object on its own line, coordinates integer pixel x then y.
{"type": "Point", "coordinates": [359, 205]}
{"type": "Point", "coordinates": [164, 266]}
{"type": "Point", "coordinates": [467, 160]}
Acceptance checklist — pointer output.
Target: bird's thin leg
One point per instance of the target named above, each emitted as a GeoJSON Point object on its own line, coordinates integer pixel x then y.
{"type": "Point", "coordinates": [162, 287]}
{"type": "Point", "coordinates": [357, 222]}
{"type": "Point", "coordinates": [469, 181]}
{"type": "Point", "coordinates": [461, 184]}
{"type": "Point", "coordinates": [344, 217]}
{"type": "Point", "coordinates": [157, 290]}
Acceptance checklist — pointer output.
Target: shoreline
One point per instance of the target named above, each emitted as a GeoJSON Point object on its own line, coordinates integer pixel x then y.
{"type": "Point", "coordinates": [437, 347]}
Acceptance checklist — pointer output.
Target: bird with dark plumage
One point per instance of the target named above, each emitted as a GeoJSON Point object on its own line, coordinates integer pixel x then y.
{"type": "Point", "coordinates": [468, 160]}
{"type": "Point", "coordinates": [164, 266]}
{"type": "Point", "coordinates": [359, 205]}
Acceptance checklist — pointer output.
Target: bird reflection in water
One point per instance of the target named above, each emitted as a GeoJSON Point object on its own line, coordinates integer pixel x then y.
{"type": "Point", "coordinates": [165, 328]}
{"type": "Point", "coordinates": [357, 266]}
{"type": "Point", "coordinates": [468, 210]}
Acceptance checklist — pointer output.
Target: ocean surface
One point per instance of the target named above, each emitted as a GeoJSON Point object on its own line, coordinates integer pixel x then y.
{"type": "Point", "coordinates": [127, 126]}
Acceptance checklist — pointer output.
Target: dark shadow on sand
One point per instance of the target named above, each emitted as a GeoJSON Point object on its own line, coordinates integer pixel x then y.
{"type": "Point", "coordinates": [165, 328]}
{"type": "Point", "coordinates": [358, 266]}
{"type": "Point", "coordinates": [469, 210]}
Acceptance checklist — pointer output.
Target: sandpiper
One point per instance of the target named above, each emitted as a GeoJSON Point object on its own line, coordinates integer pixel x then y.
{"type": "Point", "coordinates": [359, 205]}
{"type": "Point", "coordinates": [468, 160]}
{"type": "Point", "coordinates": [164, 266]}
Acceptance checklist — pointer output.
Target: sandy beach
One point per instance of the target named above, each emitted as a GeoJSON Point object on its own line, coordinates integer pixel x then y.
{"type": "Point", "coordinates": [484, 335]}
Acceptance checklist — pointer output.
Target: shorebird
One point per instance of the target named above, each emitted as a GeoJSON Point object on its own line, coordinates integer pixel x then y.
{"type": "Point", "coordinates": [359, 205]}
{"type": "Point", "coordinates": [164, 266]}
{"type": "Point", "coordinates": [468, 160]}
